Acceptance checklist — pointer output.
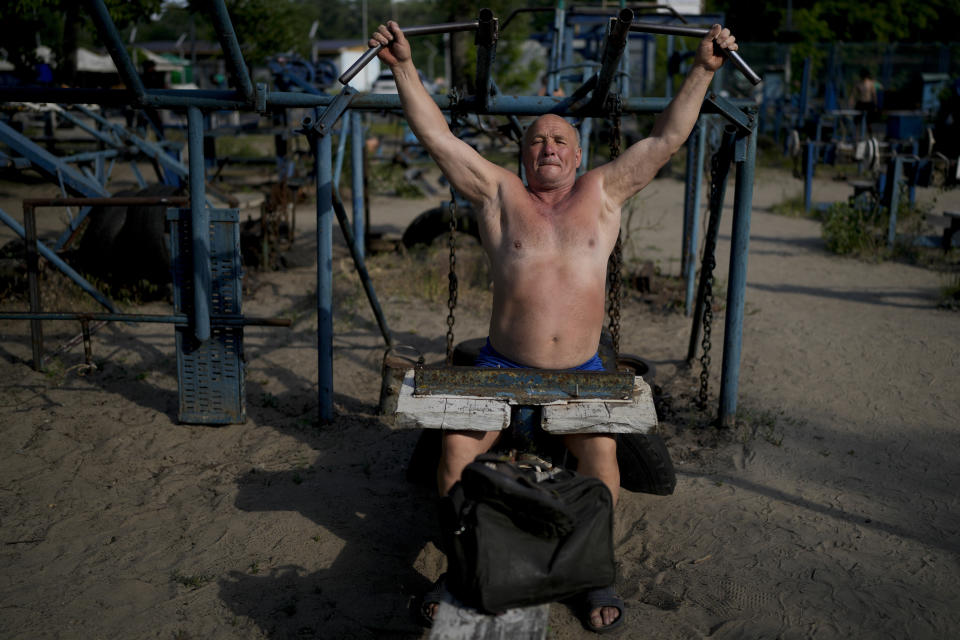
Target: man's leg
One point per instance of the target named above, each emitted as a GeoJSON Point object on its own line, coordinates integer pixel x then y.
{"type": "Point", "coordinates": [596, 455]}
{"type": "Point", "coordinates": [459, 450]}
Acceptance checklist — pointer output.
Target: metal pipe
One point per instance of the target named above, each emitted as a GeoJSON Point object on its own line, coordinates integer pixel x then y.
{"type": "Point", "coordinates": [737, 282]}
{"type": "Point", "coordinates": [111, 39]}
{"type": "Point", "coordinates": [486, 39]}
{"type": "Point", "coordinates": [33, 274]}
{"type": "Point", "coordinates": [371, 53]}
{"type": "Point", "coordinates": [361, 266]}
{"type": "Point", "coordinates": [324, 169]}
{"type": "Point", "coordinates": [226, 100]}
{"type": "Point", "coordinates": [122, 201]}
{"type": "Point", "coordinates": [676, 30]}
{"type": "Point", "coordinates": [231, 48]}
{"type": "Point", "coordinates": [356, 181]}
{"type": "Point", "coordinates": [553, 62]}
{"type": "Point", "coordinates": [808, 164]}
{"type": "Point", "coordinates": [341, 149]}
{"type": "Point", "coordinates": [895, 170]}
{"type": "Point", "coordinates": [199, 226]}
{"type": "Point", "coordinates": [50, 164]}
{"type": "Point", "coordinates": [66, 269]}
{"type": "Point", "coordinates": [224, 320]}
{"type": "Point", "coordinates": [617, 34]}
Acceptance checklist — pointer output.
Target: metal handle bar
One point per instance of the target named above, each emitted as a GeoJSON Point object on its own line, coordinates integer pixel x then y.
{"type": "Point", "coordinates": [371, 53]}
{"type": "Point", "coordinates": [697, 32]}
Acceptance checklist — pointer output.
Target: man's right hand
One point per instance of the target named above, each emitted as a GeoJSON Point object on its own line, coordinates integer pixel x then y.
{"type": "Point", "coordinates": [396, 49]}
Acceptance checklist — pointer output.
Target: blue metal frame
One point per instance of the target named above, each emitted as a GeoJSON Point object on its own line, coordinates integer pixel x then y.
{"type": "Point", "coordinates": [249, 98]}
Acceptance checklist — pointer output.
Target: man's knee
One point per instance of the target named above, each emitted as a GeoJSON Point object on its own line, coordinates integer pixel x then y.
{"type": "Point", "coordinates": [598, 447]}
{"type": "Point", "coordinates": [596, 455]}
{"type": "Point", "coordinates": [458, 450]}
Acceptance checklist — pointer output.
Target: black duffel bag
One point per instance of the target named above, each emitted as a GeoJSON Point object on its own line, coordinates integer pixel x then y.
{"type": "Point", "coordinates": [525, 533]}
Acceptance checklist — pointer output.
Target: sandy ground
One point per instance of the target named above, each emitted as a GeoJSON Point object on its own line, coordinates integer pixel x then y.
{"type": "Point", "coordinates": [831, 512]}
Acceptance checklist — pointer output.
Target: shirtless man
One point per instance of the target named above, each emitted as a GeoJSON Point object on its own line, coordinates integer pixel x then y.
{"type": "Point", "coordinates": [548, 242]}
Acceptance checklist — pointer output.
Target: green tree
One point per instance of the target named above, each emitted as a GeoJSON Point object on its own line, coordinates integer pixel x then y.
{"type": "Point", "coordinates": [61, 25]}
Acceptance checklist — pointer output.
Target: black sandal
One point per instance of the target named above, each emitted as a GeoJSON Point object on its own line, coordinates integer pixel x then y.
{"type": "Point", "coordinates": [596, 599]}
{"type": "Point", "coordinates": [437, 594]}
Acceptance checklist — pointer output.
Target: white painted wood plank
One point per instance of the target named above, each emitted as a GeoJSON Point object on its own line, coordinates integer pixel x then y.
{"type": "Point", "coordinates": [470, 413]}
{"type": "Point", "coordinates": [479, 413]}
{"type": "Point", "coordinates": [454, 622]}
{"type": "Point", "coordinates": [577, 416]}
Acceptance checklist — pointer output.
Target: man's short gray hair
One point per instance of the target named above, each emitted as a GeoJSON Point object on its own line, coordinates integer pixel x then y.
{"type": "Point", "coordinates": [576, 130]}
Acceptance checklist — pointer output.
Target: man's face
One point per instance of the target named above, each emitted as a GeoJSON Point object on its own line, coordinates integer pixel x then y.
{"type": "Point", "coordinates": [551, 153]}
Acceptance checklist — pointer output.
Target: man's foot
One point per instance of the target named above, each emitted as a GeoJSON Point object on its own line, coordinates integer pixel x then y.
{"type": "Point", "coordinates": [430, 602]}
{"type": "Point", "coordinates": [601, 610]}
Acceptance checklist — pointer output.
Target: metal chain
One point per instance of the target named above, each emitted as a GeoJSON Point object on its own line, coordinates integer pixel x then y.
{"type": "Point", "coordinates": [709, 263]}
{"type": "Point", "coordinates": [452, 301]}
{"type": "Point", "coordinates": [615, 262]}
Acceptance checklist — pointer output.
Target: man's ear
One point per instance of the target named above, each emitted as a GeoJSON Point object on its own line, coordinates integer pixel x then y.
{"type": "Point", "coordinates": [579, 156]}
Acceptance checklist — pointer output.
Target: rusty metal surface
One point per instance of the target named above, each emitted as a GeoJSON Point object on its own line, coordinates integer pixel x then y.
{"type": "Point", "coordinates": [524, 386]}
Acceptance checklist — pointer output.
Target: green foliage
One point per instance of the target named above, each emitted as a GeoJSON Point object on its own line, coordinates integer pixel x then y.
{"type": "Point", "coordinates": [846, 20]}
{"type": "Point", "coordinates": [848, 230]}
{"type": "Point", "coordinates": [388, 178]}
{"type": "Point", "coordinates": [266, 27]}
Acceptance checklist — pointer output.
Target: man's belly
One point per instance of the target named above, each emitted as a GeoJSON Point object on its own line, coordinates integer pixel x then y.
{"type": "Point", "coordinates": [549, 322]}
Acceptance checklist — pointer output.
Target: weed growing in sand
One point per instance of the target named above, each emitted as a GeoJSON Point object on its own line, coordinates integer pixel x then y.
{"type": "Point", "coordinates": [765, 424]}
{"type": "Point", "coordinates": [792, 208]}
{"type": "Point", "coordinates": [55, 371]}
{"type": "Point", "coordinates": [950, 293]}
{"type": "Point", "coordinates": [850, 230]}
{"type": "Point", "coordinates": [269, 401]}
{"type": "Point", "coordinates": [191, 582]}
{"type": "Point", "coordinates": [254, 567]}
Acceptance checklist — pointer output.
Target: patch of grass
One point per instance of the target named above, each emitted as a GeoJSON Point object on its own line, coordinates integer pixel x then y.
{"type": "Point", "coordinates": [423, 273]}
{"type": "Point", "coordinates": [849, 230]}
{"type": "Point", "coordinates": [792, 208]}
{"type": "Point", "coordinates": [55, 371]}
{"type": "Point", "coordinates": [388, 179]}
{"type": "Point", "coordinates": [950, 293]}
{"type": "Point", "coordinates": [766, 424]}
{"type": "Point", "coordinates": [191, 582]}
{"type": "Point", "coordinates": [246, 146]}
{"type": "Point", "coordinates": [269, 401]}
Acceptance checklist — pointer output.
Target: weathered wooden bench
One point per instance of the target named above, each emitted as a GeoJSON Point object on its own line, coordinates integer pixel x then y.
{"type": "Point", "coordinates": [469, 398]}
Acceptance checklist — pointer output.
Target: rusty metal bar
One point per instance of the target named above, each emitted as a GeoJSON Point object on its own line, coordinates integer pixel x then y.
{"type": "Point", "coordinates": [524, 386]}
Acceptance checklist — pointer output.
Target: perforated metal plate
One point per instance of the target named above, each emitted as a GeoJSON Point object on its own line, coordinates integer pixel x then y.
{"type": "Point", "coordinates": [210, 373]}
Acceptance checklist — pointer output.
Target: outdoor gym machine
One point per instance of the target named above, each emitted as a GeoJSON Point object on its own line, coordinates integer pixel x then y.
{"type": "Point", "coordinates": [586, 101]}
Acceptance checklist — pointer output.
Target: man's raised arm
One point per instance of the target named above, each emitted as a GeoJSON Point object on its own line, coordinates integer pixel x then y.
{"type": "Point", "coordinates": [638, 165]}
{"type": "Point", "coordinates": [469, 173]}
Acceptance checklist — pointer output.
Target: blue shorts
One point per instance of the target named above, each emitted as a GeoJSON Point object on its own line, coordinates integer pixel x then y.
{"type": "Point", "coordinates": [488, 357]}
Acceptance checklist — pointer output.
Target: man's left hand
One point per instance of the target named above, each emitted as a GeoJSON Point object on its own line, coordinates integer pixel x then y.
{"type": "Point", "coordinates": [709, 54]}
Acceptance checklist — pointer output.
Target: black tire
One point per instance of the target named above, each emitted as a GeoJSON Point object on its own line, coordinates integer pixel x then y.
{"type": "Point", "coordinates": [466, 352]}
{"type": "Point", "coordinates": [433, 223]}
{"type": "Point", "coordinates": [645, 464]}
{"type": "Point", "coordinates": [422, 468]}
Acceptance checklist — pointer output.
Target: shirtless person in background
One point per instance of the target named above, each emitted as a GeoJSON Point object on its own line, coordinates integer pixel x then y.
{"type": "Point", "coordinates": [548, 242]}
